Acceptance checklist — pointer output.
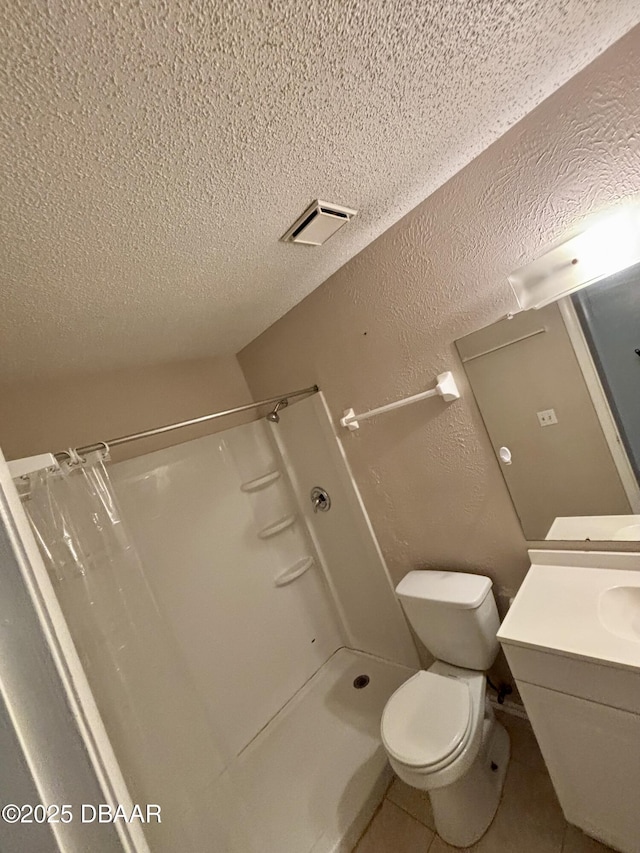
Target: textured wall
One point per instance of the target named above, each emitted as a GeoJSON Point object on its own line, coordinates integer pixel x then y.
{"type": "Point", "coordinates": [154, 151]}
{"type": "Point", "coordinates": [384, 325]}
{"type": "Point", "coordinates": [50, 415]}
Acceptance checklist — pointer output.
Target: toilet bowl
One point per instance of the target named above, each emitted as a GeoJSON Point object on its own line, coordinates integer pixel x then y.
{"type": "Point", "coordinates": [441, 736]}
{"type": "Point", "coordinates": [438, 728]}
{"type": "Point", "coordinates": [432, 725]}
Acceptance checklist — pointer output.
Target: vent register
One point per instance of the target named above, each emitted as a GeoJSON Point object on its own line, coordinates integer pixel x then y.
{"type": "Point", "coordinates": [319, 222]}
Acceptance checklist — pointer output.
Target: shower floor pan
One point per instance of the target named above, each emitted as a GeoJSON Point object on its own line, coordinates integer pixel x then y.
{"type": "Point", "coordinates": [312, 778]}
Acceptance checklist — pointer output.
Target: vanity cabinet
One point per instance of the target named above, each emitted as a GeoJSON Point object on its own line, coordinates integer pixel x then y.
{"type": "Point", "coordinates": [578, 673]}
{"type": "Point", "coordinates": [592, 752]}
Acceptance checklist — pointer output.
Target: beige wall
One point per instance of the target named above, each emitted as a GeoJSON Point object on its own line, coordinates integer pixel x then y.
{"type": "Point", "coordinates": [384, 325]}
{"type": "Point", "coordinates": [51, 415]}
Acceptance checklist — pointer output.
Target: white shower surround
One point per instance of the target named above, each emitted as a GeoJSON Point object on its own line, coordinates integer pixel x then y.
{"type": "Point", "coordinates": [301, 765]}
{"type": "Point", "coordinates": [314, 776]}
{"type": "Point", "coordinates": [249, 645]}
{"type": "Point", "coordinates": [353, 562]}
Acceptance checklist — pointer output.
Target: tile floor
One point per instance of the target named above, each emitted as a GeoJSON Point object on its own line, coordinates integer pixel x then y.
{"type": "Point", "coordinates": [529, 819]}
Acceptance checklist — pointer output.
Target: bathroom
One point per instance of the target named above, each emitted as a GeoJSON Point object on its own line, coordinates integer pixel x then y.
{"type": "Point", "coordinates": [155, 156]}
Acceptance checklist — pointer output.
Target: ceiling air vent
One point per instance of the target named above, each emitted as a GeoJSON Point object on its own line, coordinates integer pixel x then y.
{"type": "Point", "coordinates": [319, 221]}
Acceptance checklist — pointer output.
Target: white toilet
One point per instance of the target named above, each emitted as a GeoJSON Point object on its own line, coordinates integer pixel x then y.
{"type": "Point", "coordinates": [438, 728]}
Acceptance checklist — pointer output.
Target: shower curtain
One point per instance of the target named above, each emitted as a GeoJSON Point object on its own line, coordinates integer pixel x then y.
{"type": "Point", "coordinates": [156, 722]}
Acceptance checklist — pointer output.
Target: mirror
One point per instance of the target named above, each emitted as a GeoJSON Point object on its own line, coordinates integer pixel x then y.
{"type": "Point", "coordinates": [559, 392]}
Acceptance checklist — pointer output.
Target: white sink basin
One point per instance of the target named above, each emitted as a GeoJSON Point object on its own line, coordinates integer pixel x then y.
{"type": "Point", "coordinates": [619, 611]}
{"type": "Point", "coordinates": [630, 533]}
{"type": "Point", "coordinates": [580, 610]}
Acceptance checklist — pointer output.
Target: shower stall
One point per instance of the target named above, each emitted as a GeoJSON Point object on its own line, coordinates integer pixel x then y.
{"type": "Point", "coordinates": [235, 627]}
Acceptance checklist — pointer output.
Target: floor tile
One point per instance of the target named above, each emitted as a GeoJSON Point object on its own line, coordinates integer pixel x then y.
{"type": "Point", "coordinates": [394, 831]}
{"type": "Point", "coordinates": [416, 802]}
{"type": "Point", "coordinates": [524, 746]}
{"type": "Point", "coordinates": [439, 846]}
{"type": "Point", "coordinates": [577, 842]}
{"type": "Point", "coordinates": [529, 819]}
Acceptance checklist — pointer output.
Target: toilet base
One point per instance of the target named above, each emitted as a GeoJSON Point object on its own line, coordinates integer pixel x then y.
{"type": "Point", "coordinates": [464, 810]}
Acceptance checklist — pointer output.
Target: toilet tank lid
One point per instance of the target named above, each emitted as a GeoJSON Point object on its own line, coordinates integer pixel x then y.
{"type": "Point", "coordinates": [457, 589]}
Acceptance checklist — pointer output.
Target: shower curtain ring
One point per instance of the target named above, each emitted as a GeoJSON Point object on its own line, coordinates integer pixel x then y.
{"type": "Point", "coordinates": [74, 457]}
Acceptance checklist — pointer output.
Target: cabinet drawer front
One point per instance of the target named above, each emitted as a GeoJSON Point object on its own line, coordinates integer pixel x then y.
{"type": "Point", "coordinates": [586, 679]}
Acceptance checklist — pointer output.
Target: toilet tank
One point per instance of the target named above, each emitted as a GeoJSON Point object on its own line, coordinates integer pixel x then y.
{"type": "Point", "coordinates": [454, 614]}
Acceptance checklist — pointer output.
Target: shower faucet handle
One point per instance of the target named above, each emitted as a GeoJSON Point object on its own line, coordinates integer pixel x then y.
{"type": "Point", "coordinates": [320, 499]}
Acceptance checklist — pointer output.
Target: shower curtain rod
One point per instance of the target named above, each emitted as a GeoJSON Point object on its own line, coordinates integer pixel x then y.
{"type": "Point", "coordinates": [124, 439]}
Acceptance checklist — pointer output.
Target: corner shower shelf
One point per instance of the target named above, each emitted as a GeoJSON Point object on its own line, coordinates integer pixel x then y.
{"type": "Point", "coordinates": [277, 527]}
{"type": "Point", "coordinates": [294, 571]}
{"type": "Point", "coordinates": [260, 482]}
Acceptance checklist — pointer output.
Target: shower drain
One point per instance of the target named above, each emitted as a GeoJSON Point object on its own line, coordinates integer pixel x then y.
{"type": "Point", "coordinates": [361, 681]}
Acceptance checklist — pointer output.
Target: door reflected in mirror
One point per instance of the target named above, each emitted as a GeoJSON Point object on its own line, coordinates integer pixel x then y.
{"type": "Point", "coordinates": [559, 392]}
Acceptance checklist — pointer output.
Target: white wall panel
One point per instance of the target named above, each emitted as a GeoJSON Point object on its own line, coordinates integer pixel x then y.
{"type": "Point", "coordinates": [344, 537]}
{"type": "Point", "coordinates": [248, 644]}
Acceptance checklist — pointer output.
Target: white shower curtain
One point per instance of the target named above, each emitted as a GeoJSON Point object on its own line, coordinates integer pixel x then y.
{"type": "Point", "coordinates": [155, 720]}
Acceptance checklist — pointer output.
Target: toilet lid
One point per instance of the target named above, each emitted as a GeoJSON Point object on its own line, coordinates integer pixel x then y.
{"type": "Point", "coordinates": [426, 719]}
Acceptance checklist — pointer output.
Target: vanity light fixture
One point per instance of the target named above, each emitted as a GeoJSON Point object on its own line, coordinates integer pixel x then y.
{"type": "Point", "coordinates": [611, 244]}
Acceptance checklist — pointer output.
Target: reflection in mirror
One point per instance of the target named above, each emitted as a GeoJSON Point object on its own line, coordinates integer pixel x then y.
{"type": "Point", "coordinates": [559, 392]}
{"type": "Point", "coordinates": [609, 315]}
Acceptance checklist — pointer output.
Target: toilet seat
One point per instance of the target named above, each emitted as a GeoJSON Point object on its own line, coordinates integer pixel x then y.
{"type": "Point", "coordinates": [427, 722]}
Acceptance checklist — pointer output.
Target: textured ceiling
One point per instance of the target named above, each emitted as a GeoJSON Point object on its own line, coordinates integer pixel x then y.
{"type": "Point", "coordinates": [154, 152]}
